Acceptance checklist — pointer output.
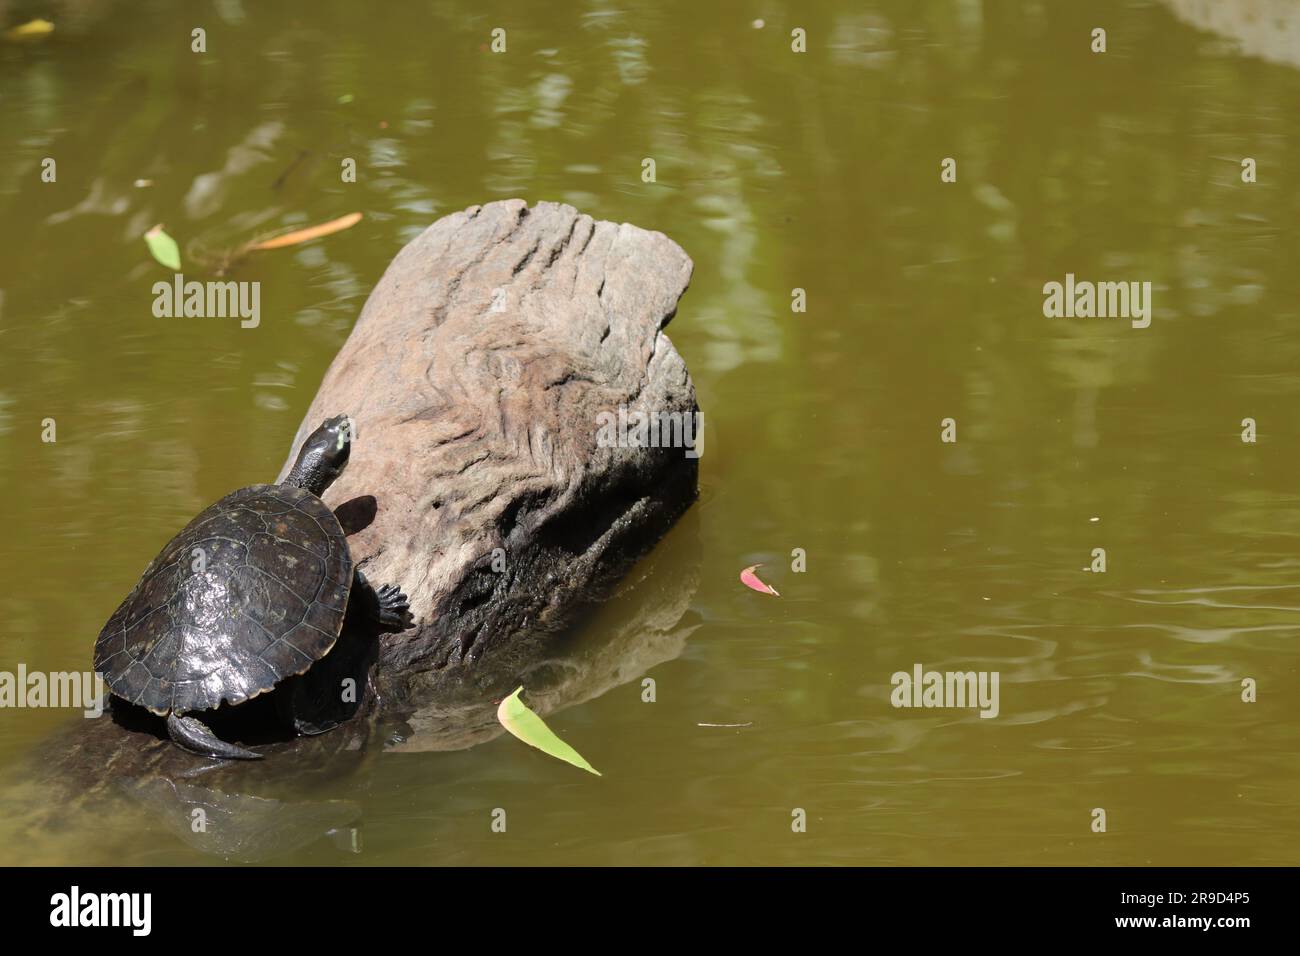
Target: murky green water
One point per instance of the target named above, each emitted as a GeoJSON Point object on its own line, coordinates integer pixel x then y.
{"type": "Point", "coordinates": [775, 170]}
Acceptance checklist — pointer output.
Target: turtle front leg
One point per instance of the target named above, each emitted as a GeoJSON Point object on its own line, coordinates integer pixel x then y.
{"type": "Point", "coordinates": [388, 606]}
{"type": "Point", "coordinates": [192, 734]}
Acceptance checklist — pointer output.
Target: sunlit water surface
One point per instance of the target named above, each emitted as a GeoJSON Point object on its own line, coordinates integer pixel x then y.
{"type": "Point", "coordinates": [775, 171]}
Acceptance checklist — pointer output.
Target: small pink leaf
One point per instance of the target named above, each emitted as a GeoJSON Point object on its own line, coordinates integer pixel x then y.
{"type": "Point", "coordinates": [750, 580]}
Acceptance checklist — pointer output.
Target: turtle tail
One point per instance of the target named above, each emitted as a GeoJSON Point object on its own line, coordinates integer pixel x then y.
{"type": "Point", "coordinates": [190, 733]}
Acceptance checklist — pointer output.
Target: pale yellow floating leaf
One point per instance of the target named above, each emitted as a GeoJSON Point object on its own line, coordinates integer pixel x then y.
{"type": "Point", "coordinates": [530, 728]}
{"type": "Point", "coordinates": [30, 30]}
{"type": "Point", "coordinates": [312, 232]}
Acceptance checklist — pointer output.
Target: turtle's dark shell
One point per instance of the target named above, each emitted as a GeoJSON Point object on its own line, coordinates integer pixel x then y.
{"type": "Point", "coordinates": [268, 604]}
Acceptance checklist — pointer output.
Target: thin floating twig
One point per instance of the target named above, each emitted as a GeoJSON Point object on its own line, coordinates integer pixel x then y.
{"type": "Point", "coordinates": [221, 261]}
{"type": "Point", "coordinates": [297, 161]}
{"type": "Point", "coordinates": [306, 235]}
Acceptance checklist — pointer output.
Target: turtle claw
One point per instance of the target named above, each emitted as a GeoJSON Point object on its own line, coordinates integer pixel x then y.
{"type": "Point", "coordinates": [192, 734]}
{"type": "Point", "coordinates": [394, 609]}
{"type": "Point", "coordinates": [386, 606]}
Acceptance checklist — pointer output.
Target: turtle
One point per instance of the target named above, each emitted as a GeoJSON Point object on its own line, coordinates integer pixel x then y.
{"type": "Point", "coordinates": [253, 591]}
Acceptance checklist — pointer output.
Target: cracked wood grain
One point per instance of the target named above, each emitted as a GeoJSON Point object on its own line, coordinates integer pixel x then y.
{"type": "Point", "coordinates": [475, 376]}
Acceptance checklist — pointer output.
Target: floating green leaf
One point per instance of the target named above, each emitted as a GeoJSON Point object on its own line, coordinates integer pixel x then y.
{"type": "Point", "coordinates": [164, 248]}
{"type": "Point", "coordinates": [529, 728]}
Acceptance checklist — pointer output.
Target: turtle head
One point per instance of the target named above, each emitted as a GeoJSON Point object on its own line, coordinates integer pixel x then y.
{"type": "Point", "coordinates": [324, 455]}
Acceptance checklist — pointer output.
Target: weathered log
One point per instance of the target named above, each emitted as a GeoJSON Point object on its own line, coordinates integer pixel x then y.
{"type": "Point", "coordinates": [476, 377]}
